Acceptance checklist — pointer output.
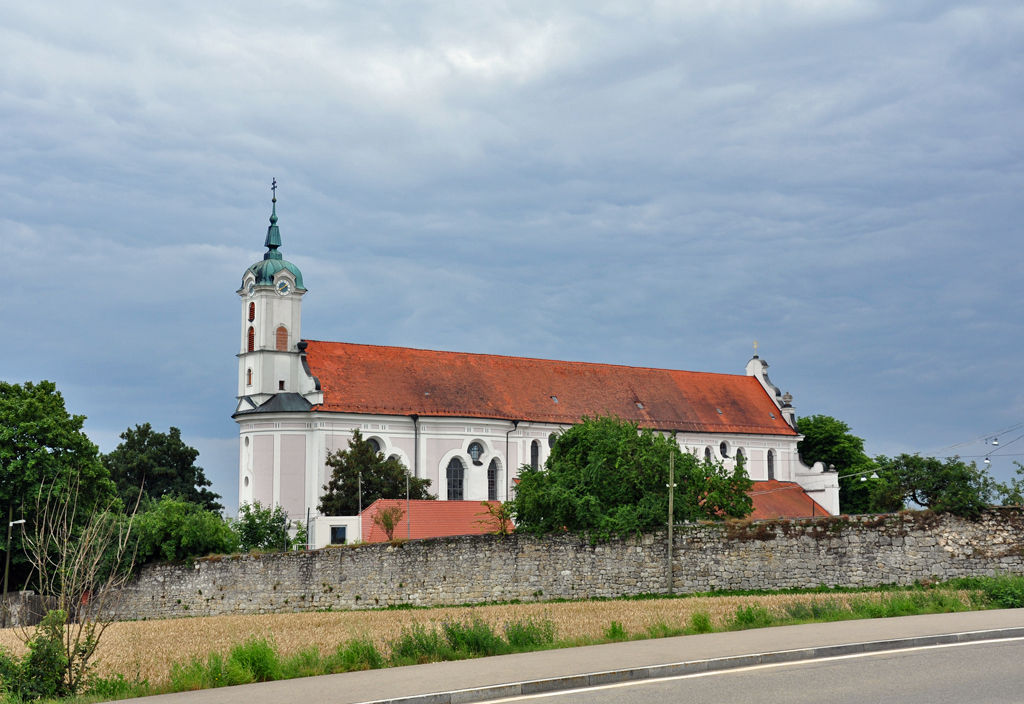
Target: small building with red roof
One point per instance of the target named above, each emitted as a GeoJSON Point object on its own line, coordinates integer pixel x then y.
{"type": "Point", "coordinates": [467, 422]}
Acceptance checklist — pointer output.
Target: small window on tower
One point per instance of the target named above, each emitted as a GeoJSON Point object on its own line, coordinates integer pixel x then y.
{"type": "Point", "coordinates": [252, 338]}
{"type": "Point", "coordinates": [280, 385]}
{"type": "Point", "coordinates": [282, 339]}
{"type": "Point", "coordinates": [248, 378]}
{"type": "Point", "coordinates": [252, 312]}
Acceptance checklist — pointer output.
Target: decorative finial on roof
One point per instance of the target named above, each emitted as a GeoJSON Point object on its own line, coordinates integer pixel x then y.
{"type": "Point", "coordinates": [273, 234]}
{"type": "Point", "coordinates": [755, 349]}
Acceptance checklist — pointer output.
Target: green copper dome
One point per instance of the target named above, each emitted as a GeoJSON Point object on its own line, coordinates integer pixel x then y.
{"type": "Point", "coordinates": [272, 263]}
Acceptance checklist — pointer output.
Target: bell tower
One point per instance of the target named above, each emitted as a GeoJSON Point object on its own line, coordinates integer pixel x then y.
{"type": "Point", "coordinates": [269, 356]}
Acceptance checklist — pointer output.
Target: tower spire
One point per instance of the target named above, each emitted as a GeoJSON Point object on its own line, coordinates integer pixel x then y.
{"type": "Point", "coordinates": [273, 234]}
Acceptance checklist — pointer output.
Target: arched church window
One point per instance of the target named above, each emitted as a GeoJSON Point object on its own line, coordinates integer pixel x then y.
{"type": "Point", "coordinates": [456, 475]}
{"type": "Point", "coordinates": [248, 377]}
{"type": "Point", "coordinates": [282, 339]}
{"type": "Point", "coordinates": [252, 338]}
{"type": "Point", "coordinates": [723, 449]}
{"type": "Point", "coordinates": [707, 454]}
{"type": "Point", "coordinates": [535, 454]}
{"type": "Point", "coordinates": [771, 465]}
{"type": "Point", "coordinates": [252, 312]}
{"type": "Point", "coordinates": [372, 442]}
{"type": "Point", "coordinates": [492, 480]}
{"type": "Point", "coordinates": [475, 451]}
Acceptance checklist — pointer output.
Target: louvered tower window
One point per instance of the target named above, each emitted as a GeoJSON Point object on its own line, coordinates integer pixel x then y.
{"type": "Point", "coordinates": [282, 339]}
{"type": "Point", "coordinates": [252, 338]}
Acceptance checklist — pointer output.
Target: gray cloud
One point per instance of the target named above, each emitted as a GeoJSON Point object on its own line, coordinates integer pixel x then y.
{"type": "Point", "coordinates": [638, 183]}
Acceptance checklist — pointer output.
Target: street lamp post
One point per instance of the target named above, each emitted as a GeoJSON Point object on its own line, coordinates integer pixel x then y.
{"type": "Point", "coordinates": [671, 512]}
{"type": "Point", "coordinates": [7, 560]}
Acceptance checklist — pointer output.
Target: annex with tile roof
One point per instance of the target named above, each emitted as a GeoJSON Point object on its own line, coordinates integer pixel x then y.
{"type": "Point", "coordinates": [468, 422]}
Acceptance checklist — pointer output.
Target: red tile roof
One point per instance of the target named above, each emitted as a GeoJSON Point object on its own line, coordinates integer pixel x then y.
{"type": "Point", "coordinates": [403, 381]}
{"type": "Point", "coordinates": [428, 519]}
{"type": "Point", "coordinates": [774, 499]}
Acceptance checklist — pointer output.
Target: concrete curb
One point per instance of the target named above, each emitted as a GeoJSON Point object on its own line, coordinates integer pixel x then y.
{"type": "Point", "coordinates": [592, 679]}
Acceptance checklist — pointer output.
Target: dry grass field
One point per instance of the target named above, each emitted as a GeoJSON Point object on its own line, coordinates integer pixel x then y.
{"type": "Point", "coordinates": [148, 648]}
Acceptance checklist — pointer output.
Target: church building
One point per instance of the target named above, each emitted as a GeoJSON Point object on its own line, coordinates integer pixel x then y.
{"type": "Point", "coordinates": [466, 421]}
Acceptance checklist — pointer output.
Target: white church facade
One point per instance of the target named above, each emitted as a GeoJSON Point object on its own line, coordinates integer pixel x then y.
{"type": "Point", "coordinates": [467, 422]}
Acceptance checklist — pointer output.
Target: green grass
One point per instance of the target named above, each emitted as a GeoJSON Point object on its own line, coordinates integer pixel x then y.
{"type": "Point", "coordinates": [258, 660]}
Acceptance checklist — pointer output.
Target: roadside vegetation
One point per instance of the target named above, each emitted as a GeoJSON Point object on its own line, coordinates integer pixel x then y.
{"type": "Point", "coordinates": [276, 647]}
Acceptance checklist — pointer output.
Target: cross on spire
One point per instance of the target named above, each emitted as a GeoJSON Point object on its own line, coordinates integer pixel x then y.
{"type": "Point", "coordinates": [273, 187]}
{"type": "Point", "coordinates": [755, 348]}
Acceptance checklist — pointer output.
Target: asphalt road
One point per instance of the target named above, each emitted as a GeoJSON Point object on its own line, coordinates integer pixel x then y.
{"type": "Point", "coordinates": [439, 677]}
{"type": "Point", "coordinates": [975, 673]}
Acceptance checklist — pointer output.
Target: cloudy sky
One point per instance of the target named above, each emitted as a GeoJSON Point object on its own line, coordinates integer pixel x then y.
{"type": "Point", "coordinates": [644, 183]}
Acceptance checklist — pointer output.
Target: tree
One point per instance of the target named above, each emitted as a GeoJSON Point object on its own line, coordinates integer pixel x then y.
{"type": "Point", "coordinates": [952, 486]}
{"type": "Point", "coordinates": [381, 479]}
{"type": "Point", "coordinates": [261, 527]}
{"type": "Point", "coordinates": [497, 517]}
{"type": "Point", "coordinates": [830, 442]}
{"type": "Point", "coordinates": [1013, 493]}
{"type": "Point", "coordinates": [160, 464]}
{"type": "Point", "coordinates": [387, 518]}
{"type": "Point", "coordinates": [42, 445]}
{"type": "Point", "coordinates": [83, 556]}
{"type": "Point", "coordinates": [173, 529]}
{"type": "Point", "coordinates": [608, 477]}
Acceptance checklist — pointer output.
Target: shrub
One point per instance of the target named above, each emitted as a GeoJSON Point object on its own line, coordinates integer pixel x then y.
{"type": "Point", "coordinates": [418, 645]}
{"type": "Point", "coordinates": [173, 529]}
{"type": "Point", "coordinates": [752, 617]}
{"type": "Point", "coordinates": [360, 654]}
{"type": "Point", "coordinates": [615, 632]}
{"type": "Point", "coordinates": [1004, 591]}
{"type": "Point", "coordinates": [255, 660]}
{"type": "Point", "coordinates": [261, 527]}
{"type": "Point", "coordinates": [700, 622]}
{"type": "Point", "coordinates": [529, 633]}
{"type": "Point", "coordinates": [473, 638]}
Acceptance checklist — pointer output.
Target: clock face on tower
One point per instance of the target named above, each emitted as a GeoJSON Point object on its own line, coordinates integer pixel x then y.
{"type": "Point", "coordinates": [252, 289]}
{"type": "Point", "coordinates": [284, 288]}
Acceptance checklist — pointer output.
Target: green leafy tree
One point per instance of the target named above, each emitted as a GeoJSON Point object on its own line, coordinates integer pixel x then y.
{"type": "Point", "coordinates": [830, 442]}
{"type": "Point", "coordinates": [608, 477]}
{"type": "Point", "coordinates": [952, 486]}
{"type": "Point", "coordinates": [387, 519]}
{"type": "Point", "coordinates": [42, 445]}
{"type": "Point", "coordinates": [1013, 493]}
{"type": "Point", "coordinates": [159, 464]}
{"type": "Point", "coordinates": [381, 479]}
{"type": "Point", "coordinates": [262, 527]}
{"type": "Point", "coordinates": [173, 529]}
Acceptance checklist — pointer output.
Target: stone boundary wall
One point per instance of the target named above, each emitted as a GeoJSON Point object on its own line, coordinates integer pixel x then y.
{"type": "Point", "coordinates": [837, 551]}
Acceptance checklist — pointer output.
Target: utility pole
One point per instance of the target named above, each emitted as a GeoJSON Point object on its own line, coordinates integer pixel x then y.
{"type": "Point", "coordinates": [671, 513]}
{"type": "Point", "coordinates": [408, 525]}
{"type": "Point", "coordinates": [360, 493]}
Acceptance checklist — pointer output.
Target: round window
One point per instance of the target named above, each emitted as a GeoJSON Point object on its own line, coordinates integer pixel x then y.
{"type": "Point", "coordinates": [247, 441]}
{"type": "Point", "coordinates": [475, 450]}
{"type": "Point", "coordinates": [372, 442]}
{"type": "Point", "coordinates": [246, 481]}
